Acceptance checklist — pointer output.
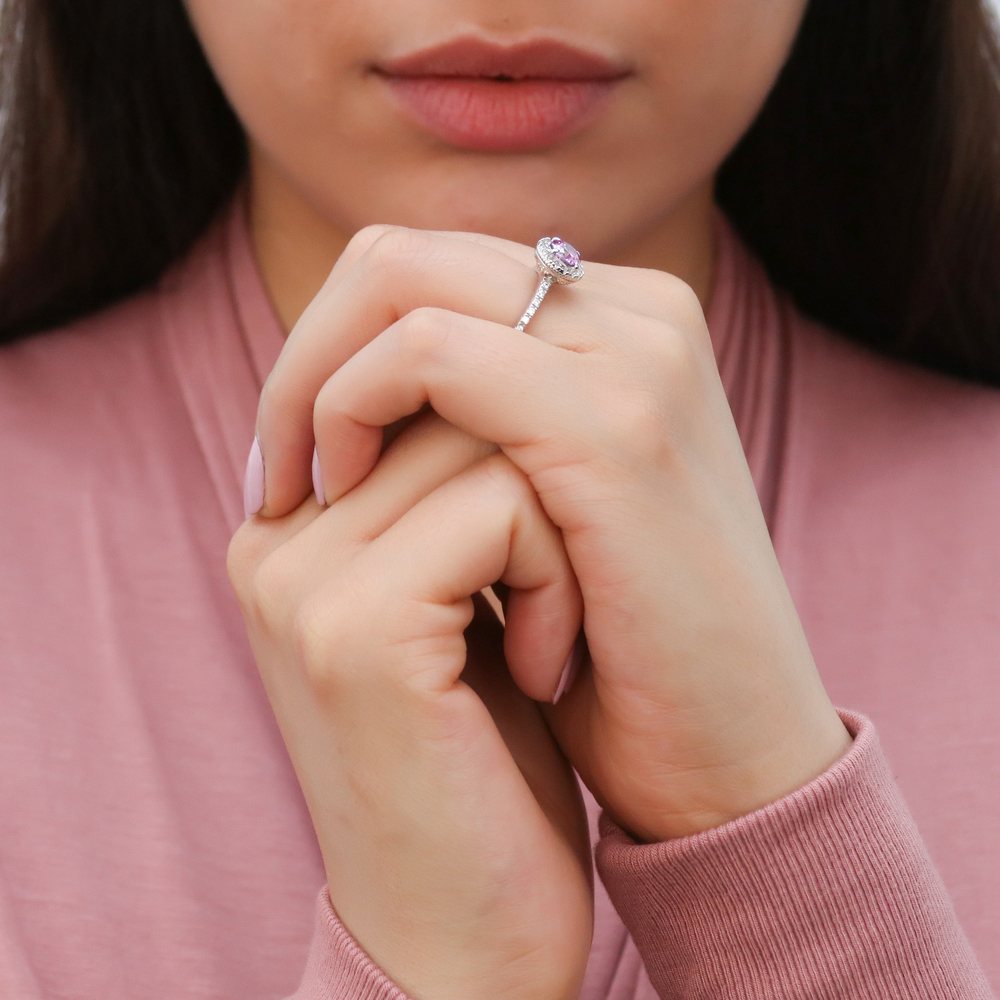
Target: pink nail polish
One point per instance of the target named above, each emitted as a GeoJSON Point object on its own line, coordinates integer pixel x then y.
{"type": "Point", "coordinates": [570, 670]}
{"type": "Point", "coordinates": [253, 481]}
{"type": "Point", "coordinates": [318, 480]}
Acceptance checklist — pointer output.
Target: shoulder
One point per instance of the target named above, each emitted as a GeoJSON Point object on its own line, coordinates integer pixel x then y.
{"type": "Point", "coordinates": [849, 416]}
{"type": "Point", "coordinates": [120, 351]}
{"type": "Point", "coordinates": [106, 331]}
{"type": "Point", "coordinates": [914, 406]}
{"type": "Point", "coordinates": [103, 368]}
{"type": "Point", "coordinates": [62, 387]}
{"type": "Point", "coordinates": [888, 456]}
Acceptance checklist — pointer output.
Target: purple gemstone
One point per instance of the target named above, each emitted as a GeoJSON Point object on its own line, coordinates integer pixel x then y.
{"type": "Point", "coordinates": [566, 252]}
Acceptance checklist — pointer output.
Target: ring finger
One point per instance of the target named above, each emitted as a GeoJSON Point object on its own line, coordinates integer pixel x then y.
{"type": "Point", "coordinates": [401, 270]}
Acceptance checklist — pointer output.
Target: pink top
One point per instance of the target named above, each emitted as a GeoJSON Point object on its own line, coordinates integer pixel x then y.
{"type": "Point", "coordinates": [153, 838]}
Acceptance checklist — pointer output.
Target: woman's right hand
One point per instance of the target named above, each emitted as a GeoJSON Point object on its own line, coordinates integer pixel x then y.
{"type": "Point", "coordinates": [452, 830]}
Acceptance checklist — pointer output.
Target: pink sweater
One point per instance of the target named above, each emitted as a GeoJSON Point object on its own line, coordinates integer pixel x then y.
{"type": "Point", "coordinates": [153, 839]}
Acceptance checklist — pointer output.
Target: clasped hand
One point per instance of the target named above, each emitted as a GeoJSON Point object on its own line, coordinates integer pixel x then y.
{"type": "Point", "coordinates": [590, 466]}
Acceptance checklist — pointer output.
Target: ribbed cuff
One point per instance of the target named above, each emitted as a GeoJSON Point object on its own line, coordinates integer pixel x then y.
{"type": "Point", "coordinates": [337, 967]}
{"type": "Point", "coordinates": [827, 892]}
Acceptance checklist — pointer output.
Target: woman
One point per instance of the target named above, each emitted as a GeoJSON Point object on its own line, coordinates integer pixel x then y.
{"type": "Point", "coordinates": [290, 748]}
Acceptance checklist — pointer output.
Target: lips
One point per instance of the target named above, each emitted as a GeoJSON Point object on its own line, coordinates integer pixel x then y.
{"type": "Point", "coordinates": [477, 95]}
{"type": "Point", "coordinates": [474, 57]}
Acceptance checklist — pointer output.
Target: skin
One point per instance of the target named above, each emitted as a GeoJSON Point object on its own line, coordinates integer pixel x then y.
{"type": "Point", "coordinates": [592, 467]}
{"type": "Point", "coordinates": [328, 153]}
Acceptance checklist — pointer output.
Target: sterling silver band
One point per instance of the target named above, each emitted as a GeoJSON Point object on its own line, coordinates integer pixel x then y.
{"type": "Point", "coordinates": [558, 262]}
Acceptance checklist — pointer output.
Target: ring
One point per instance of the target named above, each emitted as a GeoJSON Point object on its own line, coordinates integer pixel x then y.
{"type": "Point", "coordinates": [558, 262]}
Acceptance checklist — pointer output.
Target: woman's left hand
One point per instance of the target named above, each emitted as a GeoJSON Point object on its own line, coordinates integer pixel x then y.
{"type": "Point", "coordinates": [699, 700]}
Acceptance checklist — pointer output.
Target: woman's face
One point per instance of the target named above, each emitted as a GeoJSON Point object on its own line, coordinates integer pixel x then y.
{"type": "Point", "coordinates": [323, 122]}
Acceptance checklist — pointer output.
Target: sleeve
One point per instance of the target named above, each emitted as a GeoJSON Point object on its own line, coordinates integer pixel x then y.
{"type": "Point", "coordinates": [826, 892]}
{"type": "Point", "coordinates": [337, 967]}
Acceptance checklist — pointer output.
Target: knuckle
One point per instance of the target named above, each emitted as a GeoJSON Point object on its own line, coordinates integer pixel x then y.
{"type": "Point", "coordinates": [686, 298]}
{"type": "Point", "coordinates": [269, 585]}
{"type": "Point", "coordinates": [328, 406]}
{"type": "Point", "coordinates": [364, 239]}
{"type": "Point", "coordinates": [332, 645]}
{"type": "Point", "coordinates": [356, 247]}
{"type": "Point", "coordinates": [649, 414]}
{"type": "Point", "coordinates": [399, 246]}
{"type": "Point", "coordinates": [505, 478]}
{"type": "Point", "coordinates": [315, 635]}
{"type": "Point", "coordinates": [322, 631]}
{"type": "Point", "coordinates": [423, 332]}
{"type": "Point", "coordinates": [246, 550]}
{"type": "Point", "coordinates": [676, 300]}
{"type": "Point", "coordinates": [663, 361]}
{"type": "Point", "coordinates": [640, 416]}
{"type": "Point", "coordinates": [496, 487]}
{"type": "Point", "coordinates": [485, 487]}
{"type": "Point", "coordinates": [678, 360]}
{"type": "Point", "coordinates": [667, 288]}
{"type": "Point", "coordinates": [637, 424]}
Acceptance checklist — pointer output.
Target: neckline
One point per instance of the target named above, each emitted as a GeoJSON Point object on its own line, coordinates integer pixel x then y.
{"type": "Point", "coordinates": [256, 315]}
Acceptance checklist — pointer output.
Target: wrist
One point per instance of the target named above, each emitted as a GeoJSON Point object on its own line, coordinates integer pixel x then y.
{"type": "Point", "coordinates": [792, 763]}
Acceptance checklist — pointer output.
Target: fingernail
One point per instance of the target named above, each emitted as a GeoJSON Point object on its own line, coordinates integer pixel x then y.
{"type": "Point", "coordinates": [318, 480]}
{"type": "Point", "coordinates": [570, 670]}
{"type": "Point", "coordinates": [253, 481]}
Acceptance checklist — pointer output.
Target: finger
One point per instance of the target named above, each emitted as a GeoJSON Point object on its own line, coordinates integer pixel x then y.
{"type": "Point", "coordinates": [420, 458]}
{"type": "Point", "coordinates": [365, 237]}
{"type": "Point", "coordinates": [490, 381]}
{"type": "Point", "coordinates": [258, 537]}
{"type": "Point", "coordinates": [483, 525]}
{"type": "Point", "coordinates": [649, 291]}
{"type": "Point", "coordinates": [400, 270]}
{"type": "Point", "coordinates": [393, 275]}
{"type": "Point", "coordinates": [428, 453]}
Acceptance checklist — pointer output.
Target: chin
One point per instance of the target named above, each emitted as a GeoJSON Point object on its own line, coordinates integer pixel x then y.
{"type": "Point", "coordinates": [507, 210]}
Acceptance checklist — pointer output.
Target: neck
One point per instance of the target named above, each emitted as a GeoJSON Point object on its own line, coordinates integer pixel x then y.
{"type": "Point", "coordinates": [296, 245]}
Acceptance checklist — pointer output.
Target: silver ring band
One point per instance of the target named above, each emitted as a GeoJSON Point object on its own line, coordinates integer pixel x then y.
{"type": "Point", "coordinates": [558, 262]}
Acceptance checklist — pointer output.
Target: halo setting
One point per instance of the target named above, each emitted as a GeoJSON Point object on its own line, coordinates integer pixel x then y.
{"type": "Point", "coordinates": [560, 259]}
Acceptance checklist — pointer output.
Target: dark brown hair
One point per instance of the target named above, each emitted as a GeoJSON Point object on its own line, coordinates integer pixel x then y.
{"type": "Point", "coordinates": [869, 184]}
